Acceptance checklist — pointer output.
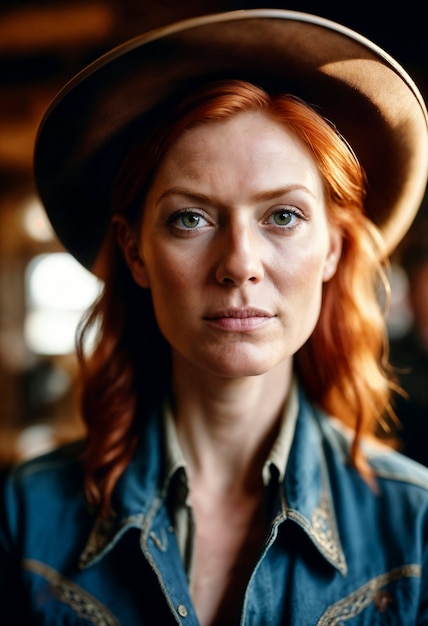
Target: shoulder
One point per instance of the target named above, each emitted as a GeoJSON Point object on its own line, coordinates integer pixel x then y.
{"type": "Point", "coordinates": [44, 516]}
{"type": "Point", "coordinates": [387, 464]}
{"type": "Point", "coordinates": [49, 465]}
{"type": "Point", "coordinates": [392, 465]}
{"type": "Point", "coordinates": [46, 482]}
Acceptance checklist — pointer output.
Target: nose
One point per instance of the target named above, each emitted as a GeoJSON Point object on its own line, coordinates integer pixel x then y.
{"type": "Point", "coordinates": [240, 258]}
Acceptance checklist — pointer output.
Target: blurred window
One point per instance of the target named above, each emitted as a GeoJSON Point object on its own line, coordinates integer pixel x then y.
{"type": "Point", "coordinates": [58, 290]}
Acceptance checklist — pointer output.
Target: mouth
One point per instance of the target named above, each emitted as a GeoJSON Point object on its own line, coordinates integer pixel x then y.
{"type": "Point", "coordinates": [239, 319]}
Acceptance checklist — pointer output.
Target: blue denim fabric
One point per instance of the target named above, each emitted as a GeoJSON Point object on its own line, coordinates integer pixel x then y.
{"type": "Point", "coordinates": [337, 552]}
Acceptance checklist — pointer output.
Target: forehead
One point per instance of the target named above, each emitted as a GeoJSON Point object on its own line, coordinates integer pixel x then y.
{"type": "Point", "coordinates": [242, 123]}
{"type": "Point", "coordinates": [255, 138]}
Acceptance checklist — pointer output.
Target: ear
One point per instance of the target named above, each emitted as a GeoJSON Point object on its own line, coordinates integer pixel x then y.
{"type": "Point", "coordinates": [333, 256]}
{"type": "Point", "coordinates": [127, 242]}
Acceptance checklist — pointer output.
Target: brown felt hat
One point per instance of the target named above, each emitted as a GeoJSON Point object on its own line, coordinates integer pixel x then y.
{"type": "Point", "coordinates": [369, 97]}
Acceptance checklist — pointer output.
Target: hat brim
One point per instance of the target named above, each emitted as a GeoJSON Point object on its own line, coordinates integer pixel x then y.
{"type": "Point", "coordinates": [368, 96]}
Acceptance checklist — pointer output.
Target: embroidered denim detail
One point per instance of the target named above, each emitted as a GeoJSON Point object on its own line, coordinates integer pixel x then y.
{"type": "Point", "coordinates": [100, 535]}
{"type": "Point", "coordinates": [67, 592]}
{"type": "Point", "coordinates": [357, 601]}
{"type": "Point", "coordinates": [104, 532]}
{"type": "Point", "coordinates": [323, 532]}
{"type": "Point", "coordinates": [160, 542]}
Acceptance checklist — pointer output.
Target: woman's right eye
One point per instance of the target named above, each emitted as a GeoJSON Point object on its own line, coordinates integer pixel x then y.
{"type": "Point", "coordinates": [187, 219]}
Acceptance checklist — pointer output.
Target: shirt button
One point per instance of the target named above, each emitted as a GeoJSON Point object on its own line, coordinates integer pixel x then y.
{"type": "Point", "coordinates": [182, 610]}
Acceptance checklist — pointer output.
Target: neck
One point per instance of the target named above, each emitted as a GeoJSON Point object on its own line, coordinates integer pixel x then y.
{"type": "Point", "coordinates": [227, 426]}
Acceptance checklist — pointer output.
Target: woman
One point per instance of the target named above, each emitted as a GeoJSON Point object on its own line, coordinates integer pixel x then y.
{"type": "Point", "coordinates": [231, 472]}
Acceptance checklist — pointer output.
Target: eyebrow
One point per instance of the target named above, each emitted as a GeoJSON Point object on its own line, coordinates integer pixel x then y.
{"type": "Point", "coordinates": [261, 196]}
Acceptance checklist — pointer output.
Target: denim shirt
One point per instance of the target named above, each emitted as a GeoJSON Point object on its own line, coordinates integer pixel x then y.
{"type": "Point", "coordinates": [338, 551]}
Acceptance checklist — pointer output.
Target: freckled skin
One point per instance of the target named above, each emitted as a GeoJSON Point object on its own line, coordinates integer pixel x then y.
{"type": "Point", "coordinates": [253, 239]}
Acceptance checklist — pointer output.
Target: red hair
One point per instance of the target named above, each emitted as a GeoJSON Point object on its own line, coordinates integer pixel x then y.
{"type": "Point", "coordinates": [342, 366]}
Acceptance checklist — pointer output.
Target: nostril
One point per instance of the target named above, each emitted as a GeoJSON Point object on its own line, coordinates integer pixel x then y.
{"type": "Point", "coordinates": [230, 281]}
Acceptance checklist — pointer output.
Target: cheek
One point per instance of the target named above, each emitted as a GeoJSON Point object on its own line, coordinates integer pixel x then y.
{"type": "Point", "coordinates": [301, 271]}
{"type": "Point", "coordinates": [162, 267]}
{"type": "Point", "coordinates": [311, 289]}
{"type": "Point", "coordinates": [173, 281]}
{"type": "Point", "coordinates": [302, 289]}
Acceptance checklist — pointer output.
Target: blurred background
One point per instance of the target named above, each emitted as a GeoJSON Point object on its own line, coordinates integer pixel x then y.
{"type": "Point", "coordinates": [43, 292]}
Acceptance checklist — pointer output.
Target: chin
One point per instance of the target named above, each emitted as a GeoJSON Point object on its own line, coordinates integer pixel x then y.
{"type": "Point", "coordinates": [234, 367]}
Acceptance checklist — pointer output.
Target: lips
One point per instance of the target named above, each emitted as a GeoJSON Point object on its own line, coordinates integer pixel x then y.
{"type": "Point", "coordinates": [239, 319]}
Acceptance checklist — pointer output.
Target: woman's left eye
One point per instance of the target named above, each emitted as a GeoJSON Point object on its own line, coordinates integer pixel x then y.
{"type": "Point", "coordinates": [283, 217]}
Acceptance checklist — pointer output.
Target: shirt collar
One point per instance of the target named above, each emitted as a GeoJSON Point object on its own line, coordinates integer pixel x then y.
{"type": "Point", "coordinates": [307, 492]}
{"type": "Point", "coordinates": [280, 450]}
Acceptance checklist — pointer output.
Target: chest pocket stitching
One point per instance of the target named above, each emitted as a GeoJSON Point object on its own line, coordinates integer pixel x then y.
{"type": "Point", "coordinates": [358, 600]}
{"type": "Point", "coordinates": [71, 594]}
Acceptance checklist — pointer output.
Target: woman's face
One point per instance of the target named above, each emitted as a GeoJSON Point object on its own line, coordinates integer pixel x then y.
{"type": "Point", "coordinates": [235, 246]}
